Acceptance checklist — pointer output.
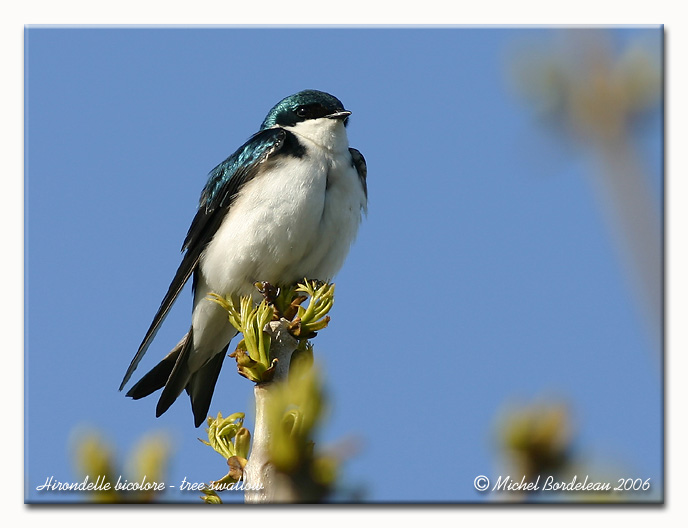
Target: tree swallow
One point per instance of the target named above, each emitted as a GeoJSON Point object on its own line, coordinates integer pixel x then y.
{"type": "Point", "coordinates": [286, 205]}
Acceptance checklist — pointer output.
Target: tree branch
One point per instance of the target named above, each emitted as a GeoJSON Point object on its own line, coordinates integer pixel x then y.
{"type": "Point", "coordinates": [264, 483]}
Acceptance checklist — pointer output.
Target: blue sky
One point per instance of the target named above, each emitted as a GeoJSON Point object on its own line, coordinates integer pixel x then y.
{"type": "Point", "coordinates": [484, 274]}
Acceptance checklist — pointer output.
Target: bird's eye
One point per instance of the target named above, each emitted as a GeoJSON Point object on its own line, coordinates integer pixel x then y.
{"type": "Point", "coordinates": [302, 111]}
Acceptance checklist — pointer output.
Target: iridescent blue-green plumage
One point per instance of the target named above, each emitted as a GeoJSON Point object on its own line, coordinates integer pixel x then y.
{"type": "Point", "coordinates": [314, 103]}
{"type": "Point", "coordinates": [223, 179]}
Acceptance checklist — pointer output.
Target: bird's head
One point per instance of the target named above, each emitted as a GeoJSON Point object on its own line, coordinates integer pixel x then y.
{"type": "Point", "coordinates": [305, 106]}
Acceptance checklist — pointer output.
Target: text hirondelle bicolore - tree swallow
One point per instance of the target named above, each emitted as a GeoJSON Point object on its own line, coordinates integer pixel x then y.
{"type": "Point", "coordinates": [286, 205]}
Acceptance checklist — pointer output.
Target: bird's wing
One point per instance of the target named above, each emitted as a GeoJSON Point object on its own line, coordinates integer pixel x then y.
{"type": "Point", "coordinates": [224, 183]}
{"type": "Point", "coordinates": [361, 167]}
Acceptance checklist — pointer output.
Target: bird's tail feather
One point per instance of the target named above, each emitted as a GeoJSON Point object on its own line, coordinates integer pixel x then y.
{"type": "Point", "coordinates": [202, 385]}
{"type": "Point", "coordinates": [174, 375]}
{"type": "Point", "coordinates": [179, 376]}
{"type": "Point", "coordinates": [158, 376]}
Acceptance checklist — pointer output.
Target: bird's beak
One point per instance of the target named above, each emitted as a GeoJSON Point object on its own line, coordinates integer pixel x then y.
{"type": "Point", "coordinates": [339, 115]}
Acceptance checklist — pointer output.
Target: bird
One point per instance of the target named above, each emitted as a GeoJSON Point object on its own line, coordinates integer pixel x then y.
{"type": "Point", "coordinates": [285, 205]}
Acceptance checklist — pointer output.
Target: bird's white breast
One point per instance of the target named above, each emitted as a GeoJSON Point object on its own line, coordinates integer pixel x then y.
{"type": "Point", "coordinates": [295, 219]}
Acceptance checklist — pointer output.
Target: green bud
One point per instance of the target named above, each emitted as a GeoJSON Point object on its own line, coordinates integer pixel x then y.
{"type": "Point", "coordinates": [242, 442]}
{"type": "Point", "coordinates": [211, 496]}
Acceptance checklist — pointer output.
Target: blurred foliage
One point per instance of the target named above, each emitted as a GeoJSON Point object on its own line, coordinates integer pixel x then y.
{"type": "Point", "coordinates": [294, 411]}
{"type": "Point", "coordinates": [537, 439]}
{"type": "Point", "coordinates": [593, 92]}
{"type": "Point", "coordinates": [146, 467]}
{"type": "Point", "coordinates": [578, 82]}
